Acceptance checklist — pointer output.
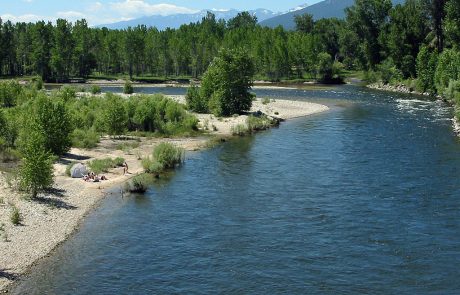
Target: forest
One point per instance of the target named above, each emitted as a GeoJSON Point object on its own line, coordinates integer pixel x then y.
{"type": "Point", "coordinates": [374, 37]}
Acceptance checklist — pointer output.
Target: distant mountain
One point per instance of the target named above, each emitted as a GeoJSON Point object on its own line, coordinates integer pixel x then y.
{"type": "Point", "coordinates": [176, 20]}
{"type": "Point", "coordinates": [323, 9]}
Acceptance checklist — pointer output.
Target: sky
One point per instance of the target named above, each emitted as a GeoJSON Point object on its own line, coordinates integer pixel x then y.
{"type": "Point", "coordinates": [108, 11]}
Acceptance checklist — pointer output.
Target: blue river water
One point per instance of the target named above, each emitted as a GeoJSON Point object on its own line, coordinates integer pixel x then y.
{"type": "Point", "coordinates": [363, 199]}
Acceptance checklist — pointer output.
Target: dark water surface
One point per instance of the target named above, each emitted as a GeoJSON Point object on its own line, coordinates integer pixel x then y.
{"type": "Point", "coordinates": [364, 199]}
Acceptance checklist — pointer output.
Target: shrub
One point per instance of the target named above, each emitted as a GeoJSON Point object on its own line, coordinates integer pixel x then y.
{"type": "Point", "coordinates": [168, 155]}
{"type": "Point", "coordinates": [37, 83]}
{"type": "Point", "coordinates": [85, 138]}
{"type": "Point", "coordinates": [15, 216]}
{"type": "Point", "coordinates": [258, 123]}
{"type": "Point", "coordinates": [139, 184]}
{"type": "Point", "coordinates": [453, 90]}
{"type": "Point", "coordinates": [448, 68]}
{"type": "Point", "coordinates": [115, 116]}
{"type": "Point", "coordinates": [265, 100]}
{"type": "Point", "coordinates": [324, 67]}
{"type": "Point", "coordinates": [152, 166]}
{"type": "Point", "coordinates": [128, 87]}
{"type": "Point", "coordinates": [103, 165]}
{"type": "Point", "coordinates": [67, 92]}
{"type": "Point", "coordinates": [239, 129]}
{"type": "Point", "coordinates": [95, 89]}
{"type": "Point", "coordinates": [195, 101]}
{"type": "Point", "coordinates": [9, 93]}
{"type": "Point", "coordinates": [389, 72]}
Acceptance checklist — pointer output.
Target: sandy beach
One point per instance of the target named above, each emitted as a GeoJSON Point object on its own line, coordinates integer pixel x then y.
{"type": "Point", "coordinates": [48, 221]}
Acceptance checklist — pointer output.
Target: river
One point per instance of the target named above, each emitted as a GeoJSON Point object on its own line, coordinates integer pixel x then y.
{"type": "Point", "coordinates": [362, 199]}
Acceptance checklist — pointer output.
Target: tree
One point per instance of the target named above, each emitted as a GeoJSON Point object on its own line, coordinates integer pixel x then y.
{"type": "Point", "coordinates": [62, 51]}
{"type": "Point", "coordinates": [426, 68]}
{"type": "Point", "coordinates": [368, 18]}
{"type": "Point", "coordinates": [53, 121]}
{"type": "Point", "coordinates": [41, 49]}
{"type": "Point", "coordinates": [36, 170]}
{"type": "Point", "coordinates": [83, 56]}
{"type": "Point", "coordinates": [227, 82]}
{"type": "Point", "coordinates": [452, 23]}
{"type": "Point", "coordinates": [304, 23]}
{"type": "Point", "coordinates": [242, 20]}
{"type": "Point", "coordinates": [115, 117]}
{"type": "Point", "coordinates": [324, 66]}
{"type": "Point", "coordinates": [435, 9]}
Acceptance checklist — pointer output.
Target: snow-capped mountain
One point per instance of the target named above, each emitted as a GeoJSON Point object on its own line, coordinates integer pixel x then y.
{"type": "Point", "coordinates": [176, 20]}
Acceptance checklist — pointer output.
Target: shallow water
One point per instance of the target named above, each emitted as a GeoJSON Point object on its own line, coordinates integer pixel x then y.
{"type": "Point", "coordinates": [362, 199]}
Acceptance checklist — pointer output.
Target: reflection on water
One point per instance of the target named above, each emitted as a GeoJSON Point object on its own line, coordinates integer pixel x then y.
{"type": "Point", "coordinates": [361, 199]}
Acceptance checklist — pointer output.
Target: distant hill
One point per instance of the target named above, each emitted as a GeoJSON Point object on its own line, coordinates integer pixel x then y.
{"type": "Point", "coordinates": [176, 20]}
{"type": "Point", "coordinates": [323, 9]}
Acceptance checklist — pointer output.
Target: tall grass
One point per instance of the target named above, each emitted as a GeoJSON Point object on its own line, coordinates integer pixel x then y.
{"type": "Point", "coordinates": [103, 165]}
{"type": "Point", "coordinates": [164, 156]}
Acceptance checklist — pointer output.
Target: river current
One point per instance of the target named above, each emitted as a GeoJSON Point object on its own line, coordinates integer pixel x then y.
{"type": "Point", "coordinates": [362, 199]}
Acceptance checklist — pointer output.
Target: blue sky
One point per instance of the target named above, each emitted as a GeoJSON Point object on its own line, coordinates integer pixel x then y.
{"type": "Point", "coordinates": [107, 11]}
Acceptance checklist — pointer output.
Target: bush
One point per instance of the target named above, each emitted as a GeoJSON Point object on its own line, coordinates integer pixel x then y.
{"type": "Point", "coordinates": [139, 184]}
{"type": "Point", "coordinates": [389, 72]}
{"type": "Point", "coordinates": [115, 115]}
{"type": "Point", "coordinates": [239, 129]}
{"type": "Point", "coordinates": [152, 166]}
{"type": "Point", "coordinates": [103, 165]}
{"type": "Point", "coordinates": [453, 90]}
{"type": "Point", "coordinates": [128, 87]}
{"type": "Point", "coordinates": [195, 101]}
{"type": "Point", "coordinates": [85, 138]}
{"type": "Point", "coordinates": [67, 92]}
{"type": "Point", "coordinates": [448, 68]}
{"type": "Point", "coordinates": [9, 93]}
{"type": "Point", "coordinates": [95, 89]}
{"type": "Point", "coordinates": [324, 67]}
{"type": "Point", "coordinates": [15, 216]}
{"type": "Point", "coordinates": [168, 155]}
{"type": "Point", "coordinates": [258, 123]}
{"type": "Point", "coordinates": [265, 100]}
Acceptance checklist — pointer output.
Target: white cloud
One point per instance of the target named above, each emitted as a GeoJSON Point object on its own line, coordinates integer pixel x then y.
{"type": "Point", "coordinates": [28, 1]}
{"type": "Point", "coordinates": [96, 6]}
{"type": "Point", "coordinates": [71, 15]}
{"type": "Point", "coordinates": [23, 18]}
{"type": "Point", "coordinates": [130, 8]}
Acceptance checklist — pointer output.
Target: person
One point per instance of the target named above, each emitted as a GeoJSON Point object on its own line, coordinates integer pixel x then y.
{"type": "Point", "coordinates": [125, 168]}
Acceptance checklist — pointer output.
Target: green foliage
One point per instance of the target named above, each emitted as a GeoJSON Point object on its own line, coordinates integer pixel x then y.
{"type": "Point", "coordinates": [452, 91]}
{"type": "Point", "coordinates": [389, 72]}
{"type": "Point", "coordinates": [36, 169]}
{"type": "Point", "coordinates": [324, 66]}
{"type": "Point", "coordinates": [448, 68]}
{"type": "Point", "coordinates": [152, 166]}
{"type": "Point", "coordinates": [227, 82]}
{"type": "Point", "coordinates": [67, 92]}
{"type": "Point", "coordinates": [52, 120]}
{"type": "Point", "coordinates": [239, 129]}
{"type": "Point", "coordinates": [195, 101]}
{"type": "Point", "coordinates": [115, 117]}
{"type": "Point", "coordinates": [168, 155]}
{"type": "Point", "coordinates": [95, 89]}
{"type": "Point", "coordinates": [258, 123]}
{"type": "Point", "coordinates": [139, 183]}
{"type": "Point", "coordinates": [103, 165]}
{"type": "Point", "coordinates": [9, 93]}
{"type": "Point", "coordinates": [15, 216]}
{"type": "Point", "coordinates": [85, 138]}
{"type": "Point", "coordinates": [426, 68]}
{"type": "Point", "coordinates": [304, 23]}
{"type": "Point", "coordinates": [128, 87]}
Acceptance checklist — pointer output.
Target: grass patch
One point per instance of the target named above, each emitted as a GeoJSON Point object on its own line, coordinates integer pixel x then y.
{"type": "Point", "coordinates": [258, 123]}
{"type": "Point", "coordinates": [265, 100]}
{"type": "Point", "coordinates": [239, 130]}
{"type": "Point", "coordinates": [103, 165]}
{"type": "Point", "coordinates": [86, 139]}
{"type": "Point", "coordinates": [164, 156]}
{"type": "Point", "coordinates": [139, 184]}
{"type": "Point", "coordinates": [15, 216]}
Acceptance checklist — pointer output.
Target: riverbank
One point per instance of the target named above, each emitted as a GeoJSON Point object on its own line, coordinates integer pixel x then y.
{"type": "Point", "coordinates": [50, 219]}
